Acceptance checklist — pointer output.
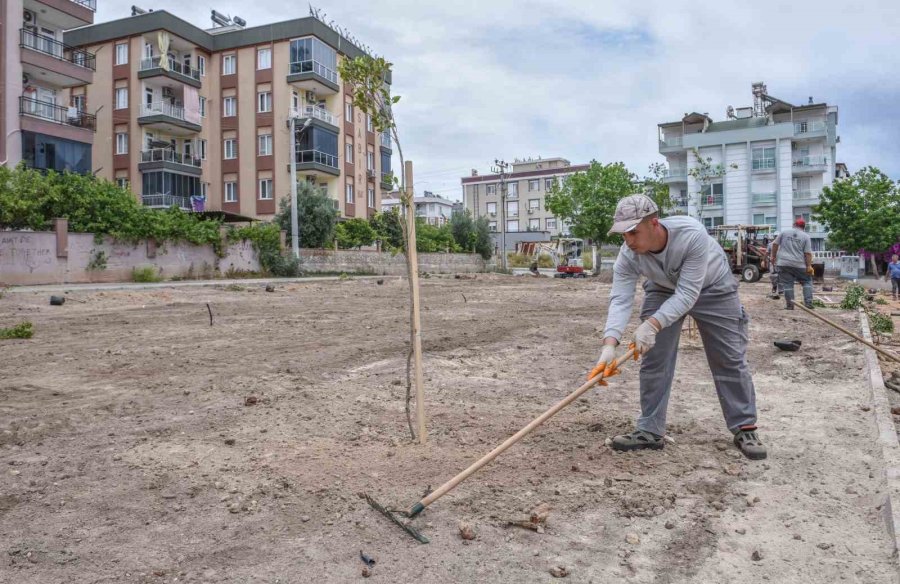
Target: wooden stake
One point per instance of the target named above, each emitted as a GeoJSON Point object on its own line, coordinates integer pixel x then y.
{"type": "Point", "coordinates": [417, 319]}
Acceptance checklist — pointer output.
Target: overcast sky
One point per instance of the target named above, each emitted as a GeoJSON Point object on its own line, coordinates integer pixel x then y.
{"type": "Point", "coordinates": [588, 79]}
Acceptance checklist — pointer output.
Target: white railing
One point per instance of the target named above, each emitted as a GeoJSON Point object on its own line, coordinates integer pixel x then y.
{"type": "Point", "coordinates": [675, 173]}
{"type": "Point", "coordinates": [808, 127]}
{"type": "Point", "coordinates": [711, 200]}
{"type": "Point", "coordinates": [312, 111]}
{"type": "Point", "coordinates": [168, 155]}
{"type": "Point", "coordinates": [810, 161]}
{"type": "Point", "coordinates": [317, 157]}
{"type": "Point", "coordinates": [815, 228]}
{"type": "Point", "coordinates": [764, 198]}
{"type": "Point", "coordinates": [174, 66]}
{"type": "Point", "coordinates": [806, 195]}
{"type": "Point", "coordinates": [314, 67]}
{"type": "Point", "coordinates": [165, 200]}
{"type": "Point", "coordinates": [162, 108]}
{"type": "Point", "coordinates": [672, 141]}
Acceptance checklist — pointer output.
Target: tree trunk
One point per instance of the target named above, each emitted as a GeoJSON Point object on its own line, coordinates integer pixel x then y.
{"type": "Point", "coordinates": [874, 266]}
{"type": "Point", "coordinates": [594, 257]}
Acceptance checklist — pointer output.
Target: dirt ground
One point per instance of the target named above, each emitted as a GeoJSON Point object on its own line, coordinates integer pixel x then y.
{"type": "Point", "coordinates": [128, 453]}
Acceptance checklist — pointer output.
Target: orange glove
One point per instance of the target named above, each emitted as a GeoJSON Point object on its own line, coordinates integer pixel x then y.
{"type": "Point", "coordinates": [600, 368]}
{"type": "Point", "coordinates": [810, 271]}
{"type": "Point", "coordinates": [607, 356]}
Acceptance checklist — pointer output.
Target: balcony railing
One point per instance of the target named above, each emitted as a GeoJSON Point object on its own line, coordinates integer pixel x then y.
{"type": "Point", "coordinates": [680, 201]}
{"type": "Point", "coordinates": [163, 108]}
{"type": "Point", "coordinates": [764, 198]}
{"type": "Point", "coordinates": [168, 155]}
{"type": "Point", "coordinates": [763, 164]}
{"type": "Point", "coordinates": [312, 111]}
{"type": "Point", "coordinates": [89, 4]}
{"type": "Point", "coordinates": [314, 67]}
{"type": "Point", "coordinates": [711, 201]}
{"type": "Point", "coordinates": [386, 140]}
{"type": "Point", "coordinates": [316, 157]}
{"type": "Point", "coordinates": [810, 161]}
{"type": "Point", "coordinates": [675, 173]}
{"type": "Point", "coordinates": [806, 195]}
{"type": "Point", "coordinates": [165, 200]}
{"type": "Point", "coordinates": [815, 228]}
{"type": "Point", "coordinates": [45, 110]}
{"type": "Point", "coordinates": [801, 128]}
{"type": "Point", "coordinates": [174, 67]}
{"type": "Point", "coordinates": [54, 48]}
{"type": "Point", "coordinates": [671, 142]}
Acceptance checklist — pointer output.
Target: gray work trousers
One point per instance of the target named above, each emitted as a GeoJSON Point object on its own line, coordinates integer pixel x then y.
{"type": "Point", "coordinates": [787, 276]}
{"type": "Point", "coordinates": [723, 324]}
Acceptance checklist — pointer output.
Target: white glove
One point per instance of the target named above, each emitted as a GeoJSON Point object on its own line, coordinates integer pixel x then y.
{"type": "Point", "coordinates": [645, 336]}
{"type": "Point", "coordinates": [607, 356]}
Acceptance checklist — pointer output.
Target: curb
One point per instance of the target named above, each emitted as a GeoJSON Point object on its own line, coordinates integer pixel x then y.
{"type": "Point", "coordinates": [887, 438]}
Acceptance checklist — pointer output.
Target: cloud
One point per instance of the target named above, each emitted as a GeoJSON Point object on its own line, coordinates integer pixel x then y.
{"type": "Point", "coordinates": [586, 79]}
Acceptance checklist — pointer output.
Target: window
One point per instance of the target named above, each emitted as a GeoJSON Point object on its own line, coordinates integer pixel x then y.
{"type": "Point", "coordinates": [548, 183]}
{"type": "Point", "coordinates": [348, 112]}
{"type": "Point", "coordinates": [492, 189]}
{"type": "Point", "coordinates": [264, 59]}
{"type": "Point", "coordinates": [148, 51]}
{"type": "Point", "coordinates": [712, 194]}
{"type": "Point", "coordinates": [122, 54]}
{"type": "Point", "coordinates": [710, 222]}
{"type": "Point", "coordinates": [512, 225]}
{"type": "Point", "coordinates": [763, 219]}
{"type": "Point", "coordinates": [204, 189]}
{"type": "Point", "coordinates": [492, 225]}
{"type": "Point", "coordinates": [370, 127]}
{"type": "Point", "coordinates": [201, 65]}
{"type": "Point", "coordinates": [265, 189]}
{"type": "Point", "coordinates": [231, 192]}
{"type": "Point", "coordinates": [534, 185]}
{"type": "Point", "coordinates": [763, 158]}
{"type": "Point", "coordinates": [534, 224]}
{"type": "Point", "coordinates": [122, 143]}
{"type": "Point", "coordinates": [78, 102]}
{"type": "Point", "coordinates": [202, 148]}
{"type": "Point", "coordinates": [202, 107]}
{"type": "Point", "coordinates": [350, 197]}
{"type": "Point", "coordinates": [512, 208]}
{"type": "Point", "coordinates": [312, 55]}
{"type": "Point", "coordinates": [512, 190]}
{"type": "Point", "coordinates": [122, 183]}
{"type": "Point", "coordinates": [265, 145]}
{"type": "Point", "coordinates": [264, 101]}
{"type": "Point", "coordinates": [229, 64]}
{"type": "Point", "coordinates": [229, 107]}
{"type": "Point", "coordinates": [348, 151]}
{"type": "Point", "coordinates": [370, 197]}
{"type": "Point", "coordinates": [230, 149]}
{"type": "Point", "coordinates": [148, 96]}
{"type": "Point", "coordinates": [534, 204]}
{"type": "Point", "coordinates": [122, 98]}
{"type": "Point", "coordinates": [370, 160]}
{"type": "Point", "coordinates": [550, 223]}
{"type": "Point", "coordinates": [492, 208]}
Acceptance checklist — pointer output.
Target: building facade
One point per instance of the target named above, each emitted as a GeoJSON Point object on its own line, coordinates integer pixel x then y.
{"type": "Point", "coordinates": [526, 188]}
{"type": "Point", "coordinates": [764, 165]}
{"type": "Point", "coordinates": [433, 209]}
{"type": "Point", "coordinates": [41, 123]}
{"type": "Point", "coordinates": [200, 118]}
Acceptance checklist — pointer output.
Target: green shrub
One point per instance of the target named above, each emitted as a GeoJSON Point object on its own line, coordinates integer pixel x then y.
{"type": "Point", "coordinates": [853, 297]}
{"type": "Point", "coordinates": [881, 324]}
{"type": "Point", "coordinates": [145, 274]}
{"type": "Point", "coordinates": [23, 330]}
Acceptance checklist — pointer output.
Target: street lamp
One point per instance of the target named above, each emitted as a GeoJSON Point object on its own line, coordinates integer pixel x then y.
{"type": "Point", "coordinates": [295, 221]}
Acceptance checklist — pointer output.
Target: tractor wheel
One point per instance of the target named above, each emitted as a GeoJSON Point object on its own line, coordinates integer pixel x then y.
{"type": "Point", "coordinates": [750, 273]}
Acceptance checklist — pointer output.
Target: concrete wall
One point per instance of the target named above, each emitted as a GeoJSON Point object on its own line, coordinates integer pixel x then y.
{"type": "Point", "coordinates": [31, 258]}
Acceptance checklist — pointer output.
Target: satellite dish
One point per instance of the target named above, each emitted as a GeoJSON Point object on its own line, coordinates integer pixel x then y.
{"type": "Point", "coordinates": [220, 19]}
{"type": "Point", "coordinates": [239, 21]}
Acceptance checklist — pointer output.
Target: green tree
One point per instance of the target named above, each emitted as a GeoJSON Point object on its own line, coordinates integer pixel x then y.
{"type": "Point", "coordinates": [389, 229]}
{"type": "Point", "coordinates": [654, 186]}
{"type": "Point", "coordinates": [354, 233]}
{"type": "Point", "coordinates": [463, 229]}
{"type": "Point", "coordinates": [432, 239]}
{"type": "Point", "coordinates": [861, 212]}
{"type": "Point", "coordinates": [483, 244]}
{"type": "Point", "coordinates": [705, 173]}
{"type": "Point", "coordinates": [316, 216]}
{"type": "Point", "coordinates": [587, 200]}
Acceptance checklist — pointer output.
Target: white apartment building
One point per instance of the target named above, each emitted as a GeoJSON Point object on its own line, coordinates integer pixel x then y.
{"type": "Point", "coordinates": [434, 209]}
{"type": "Point", "coordinates": [776, 158]}
{"type": "Point", "coordinates": [526, 188]}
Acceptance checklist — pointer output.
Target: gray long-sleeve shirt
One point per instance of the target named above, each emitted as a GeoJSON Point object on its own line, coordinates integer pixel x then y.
{"type": "Point", "coordinates": [690, 262]}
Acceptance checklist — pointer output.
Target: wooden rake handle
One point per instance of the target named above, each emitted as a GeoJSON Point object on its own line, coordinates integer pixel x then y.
{"type": "Point", "coordinates": [887, 354]}
{"type": "Point", "coordinates": [451, 484]}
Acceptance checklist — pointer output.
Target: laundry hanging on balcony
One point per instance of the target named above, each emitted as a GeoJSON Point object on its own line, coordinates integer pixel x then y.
{"type": "Point", "coordinates": [163, 39]}
{"type": "Point", "coordinates": [191, 104]}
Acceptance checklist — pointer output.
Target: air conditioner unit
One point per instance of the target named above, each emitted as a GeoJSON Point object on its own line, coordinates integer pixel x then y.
{"type": "Point", "coordinates": [311, 97]}
{"type": "Point", "coordinates": [28, 16]}
{"type": "Point", "coordinates": [370, 173]}
{"type": "Point", "coordinates": [168, 92]}
{"type": "Point", "coordinates": [493, 214]}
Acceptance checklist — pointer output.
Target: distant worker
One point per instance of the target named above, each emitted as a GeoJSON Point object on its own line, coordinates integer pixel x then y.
{"type": "Point", "coordinates": [893, 271]}
{"type": "Point", "coordinates": [773, 270]}
{"type": "Point", "coordinates": [792, 251]}
{"type": "Point", "coordinates": [687, 273]}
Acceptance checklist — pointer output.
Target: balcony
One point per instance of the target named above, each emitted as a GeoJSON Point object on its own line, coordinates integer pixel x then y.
{"type": "Point", "coordinates": [50, 112]}
{"type": "Point", "coordinates": [316, 113]}
{"type": "Point", "coordinates": [313, 76]}
{"type": "Point", "coordinates": [53, 62]}
{"type": "Point", "coordinates": [173, 70]}
{"type": "Point", "coordinates": [764, 199]}
{"type": "Point", "coordinates": [809, 129]}
{"type": "Point", "coordinates": [762, 165]}
{"type": "Point", "coordinates": [89, 4]}
{"type": "Point", "coordinates": [674, 175]}
{"type": "Point", "coordinates": [671, 144]}
{"type": "Point", "coordinates": [167, 117]}
{"type": "Point", "coordinates": [387, 181]}
{"type": "Point", "coordinates": [386, 141]}
{"type": "Point", "coordinates": [168, 159]}
{"type": "Point", "coordinates": [815, 228]}
{"type": "Point", "coordinates": [711, 201]}
{"type": "Point", "coordinates": [165, 200]}
{"type": "Point", "coordinates": [64, 14]}
{"type": "Point", "coordinates": [315, 160]}
{"type": "Point", "coordinates": [810, 165]}
{"type": "Point", "coordinates": [805, 197]}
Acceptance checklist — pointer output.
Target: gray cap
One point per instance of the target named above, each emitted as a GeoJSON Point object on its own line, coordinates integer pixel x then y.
{"type": "Point", "coordinates": [630, 211]}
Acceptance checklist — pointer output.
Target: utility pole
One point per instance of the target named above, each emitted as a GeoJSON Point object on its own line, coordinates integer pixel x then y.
{"type": "Point", "coordinates": [295, 219]}
{"type": "Point", "coordinates": [499, 168]}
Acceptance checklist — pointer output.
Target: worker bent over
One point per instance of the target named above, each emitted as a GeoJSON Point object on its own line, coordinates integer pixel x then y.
{"type": "Point", "coordinates": [686, 273]}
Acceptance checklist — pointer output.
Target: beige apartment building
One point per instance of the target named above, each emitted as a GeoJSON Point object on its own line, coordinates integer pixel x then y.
{"type": "Point", "coordinates": [526, 188]}
{"type": "Point", "coordinates": [198, 118]}
{"type": "Point", "coordinates": [40, 123]}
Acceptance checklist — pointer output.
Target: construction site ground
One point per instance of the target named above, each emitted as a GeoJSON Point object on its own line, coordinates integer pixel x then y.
{"type": "Point", "coordinates": [140, 444]}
